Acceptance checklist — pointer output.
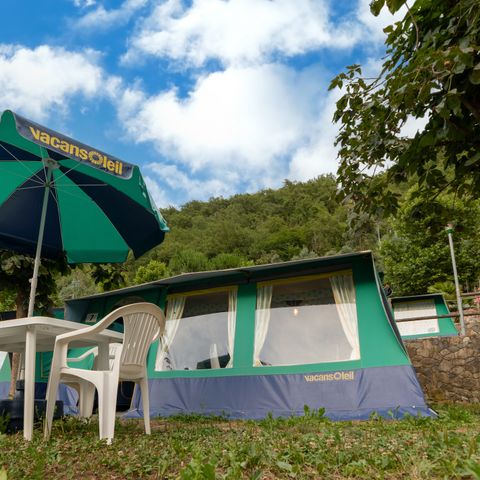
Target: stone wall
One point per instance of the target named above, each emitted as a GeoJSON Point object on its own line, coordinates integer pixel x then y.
{"type": "Point", "coordinates": [448, 368]}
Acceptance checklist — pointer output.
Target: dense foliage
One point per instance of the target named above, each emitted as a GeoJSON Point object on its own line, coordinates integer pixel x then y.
{"type": "Point", "coordinates": [415, 252]}
{"type": "Point", "coordinates": [431, 71]}
{"type": "Point", "coordinates": [261, 227]}
{"type": "Point", "coordinates": [295, 221]}
{"type": "Point", "coordinates": [15, 273]}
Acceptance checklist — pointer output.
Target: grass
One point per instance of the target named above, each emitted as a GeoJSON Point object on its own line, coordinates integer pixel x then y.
{"type": "Point", "coordinates": [210, 448]}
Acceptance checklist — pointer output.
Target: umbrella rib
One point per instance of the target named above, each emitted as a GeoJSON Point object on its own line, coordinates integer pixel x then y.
{"type": "Point", "coordinates": [53, 192]}
{"type": "Point", "coordinates": [86, 185]}
{"type": "Point", "coordinates": [60, 188]}
{"type": "Point", "coordinates": [14, 174]}
{"type": "Point", "coordinates": [68, 171]}
{"type": "Point", "coordinates": [29, 188]}
{"type": "Point", "coordinates": [21, 163]}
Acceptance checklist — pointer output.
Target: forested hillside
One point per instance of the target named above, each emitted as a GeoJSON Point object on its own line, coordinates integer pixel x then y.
{"type": "Point", "coordinates": [302, 220]}
{"type": "Point", "coordinates": [298, 220]}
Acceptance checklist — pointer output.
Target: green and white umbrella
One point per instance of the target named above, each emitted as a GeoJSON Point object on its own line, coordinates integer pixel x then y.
{"type": "Point", "coordinates": [62, 197]}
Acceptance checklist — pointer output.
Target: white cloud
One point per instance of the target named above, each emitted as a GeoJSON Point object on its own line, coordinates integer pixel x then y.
{"type": "Point", "coordinates": [251, 115]}
{"type": "Point", "coordinates": [35, 81]}
{"type": "Point", "coordinates": [375, 25]}
{"type": "Point", "coordinates": [158, 193]}
{"type": "Point", "coordinates": [239, 31]}
{"type": "Point", "coordinates": [84, 3]}
{"type": "Point", "coordinates": [319, 155]}
{"type": "Point", "coordinates": [414, 125]}
{"type": "Point", "coordinates": [239, 128]}
{"type": "Point", "coordinates": [108, 18]}
{"type": "Point", "coordinates": [184, 185]}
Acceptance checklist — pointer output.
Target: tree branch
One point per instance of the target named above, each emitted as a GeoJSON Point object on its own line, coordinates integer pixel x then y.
{"type": "Point", "coordinates": [417, 33]}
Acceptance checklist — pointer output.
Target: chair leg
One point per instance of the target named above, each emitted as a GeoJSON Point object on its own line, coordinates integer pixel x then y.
{"type": "Point", "coordinates": [107, 408]}
{"type": "Point", "coordinates": [145, 403]}
{"type": "Point", "coordinates": [52, 390]}
{"type": "Point", "coordinates": [86, 399]}
{"type": "Point", "coordinates": [51, 397]}
{"type": "Point", "coordinates": [101, 410]}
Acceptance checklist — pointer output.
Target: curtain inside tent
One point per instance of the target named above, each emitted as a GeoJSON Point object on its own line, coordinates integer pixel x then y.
{"type": "Point", "coordinates": [262, 320]}
{"type": "Point", "coordinates": [176, 305]}
{"type": "Point", "coordinates": [344, 293]}
{"type": "Point", "coordinates": [232, 315]}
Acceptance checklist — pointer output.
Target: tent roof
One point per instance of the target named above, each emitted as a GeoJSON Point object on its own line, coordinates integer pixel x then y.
{"type": "Point", "coordinates": [410, 298]}
{"type": "Point", "coordinates": [244, 274]}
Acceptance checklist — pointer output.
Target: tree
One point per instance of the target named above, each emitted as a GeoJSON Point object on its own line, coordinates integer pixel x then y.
{"type": "Point", "coordinates": [432, 71]}
{"type": "Point", "coordinates": [262, 227]}
{"type": "Point", "coordinates": [154, 270]}
{"type": "Point", "coordinates": [227, 260]}
{"type": "Point", "coordinates": [416, 254]}
{"type": "Point", "coordinates": [15, 273]}
{"type": "Point", "coordinates": [188, 260]}
{"type": "Point", "coordinates": [109, 276]}
{"type": "Point", "coordinates": [79, 283]}
{"type": "Point", "coordinates": [7, 301]}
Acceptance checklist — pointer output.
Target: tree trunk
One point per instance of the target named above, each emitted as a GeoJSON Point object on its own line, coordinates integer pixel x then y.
{"type": "Point", "coordinates": [21, 312]}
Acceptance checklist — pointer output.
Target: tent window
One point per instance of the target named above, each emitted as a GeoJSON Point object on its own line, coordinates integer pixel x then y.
{"type": "Point", "coordinates": [199, 331]}
{"type": "Point", "coordinates": [306, 321]}
{"type": "Point", "coordinates": [421, 308]}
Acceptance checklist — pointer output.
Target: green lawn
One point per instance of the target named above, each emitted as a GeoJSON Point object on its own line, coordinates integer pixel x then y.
{"type": "Point", "coordinates": [208, 448]}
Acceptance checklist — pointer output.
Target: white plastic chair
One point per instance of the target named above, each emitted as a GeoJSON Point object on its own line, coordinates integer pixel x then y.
{"type": "Point", "coordinates": [85, 390]}
{"type": "Point", "coordinates": [143, 323]}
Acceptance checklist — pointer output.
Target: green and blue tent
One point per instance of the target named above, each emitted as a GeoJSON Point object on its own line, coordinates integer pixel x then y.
{"type": "Point", "coordinates": [273, 339]}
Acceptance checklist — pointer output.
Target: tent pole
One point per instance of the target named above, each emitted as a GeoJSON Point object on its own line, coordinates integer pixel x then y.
{"type": "Point", "coordinates": [36, 265]}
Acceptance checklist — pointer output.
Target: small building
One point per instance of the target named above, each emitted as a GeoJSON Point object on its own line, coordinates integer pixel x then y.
{"type": "Point", "coordinates": [273, 339]}
{"type": "Point", "coordinates": [429, 305]}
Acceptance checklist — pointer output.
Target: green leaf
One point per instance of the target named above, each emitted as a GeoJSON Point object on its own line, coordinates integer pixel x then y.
{"type": "Point", "coordinates": [454, 104]}
{"type": "Point", "coordinates": [376, 6]}
{"type": "Point", "coordinates": [427, 139]}
{"type": "Point", "coordinates": [284, 466]}
{"type": "Point", "coordinates": [474, 76]}
{"type": "Point", "coordinates": [473, 160]}
{"type": "Point", "coordinates": [394, 5]}
{"type": "Point", "coordinates": [342, 103]}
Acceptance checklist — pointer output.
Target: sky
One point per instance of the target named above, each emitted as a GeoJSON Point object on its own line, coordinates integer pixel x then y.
{"type": "Point", "coordinates": [209, 97]}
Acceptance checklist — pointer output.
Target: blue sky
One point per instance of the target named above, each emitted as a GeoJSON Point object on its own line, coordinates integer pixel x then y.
{"type": "Point", "coordinates": [209, 97]}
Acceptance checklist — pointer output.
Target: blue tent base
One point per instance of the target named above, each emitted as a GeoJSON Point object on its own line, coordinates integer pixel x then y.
{"type": "Point", "coordinates": [4, 387]}
{"type": "Point", "coordinates": [66, 394]}
{"type": "Point", "coordinates": [390, 392]}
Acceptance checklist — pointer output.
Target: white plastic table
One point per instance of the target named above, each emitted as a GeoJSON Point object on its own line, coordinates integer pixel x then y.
{"type": "Point", "coordinates": [37, 334]}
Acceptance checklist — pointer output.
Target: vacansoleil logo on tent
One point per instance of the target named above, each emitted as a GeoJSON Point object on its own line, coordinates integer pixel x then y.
{"type": "Point", "coordinates": [329, 377]}
{"type": "Point", "coordinates": [71, 148]}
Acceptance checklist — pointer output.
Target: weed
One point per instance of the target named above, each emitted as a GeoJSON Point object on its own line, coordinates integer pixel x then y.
{"type": "Point", "coordinates": [4, 422]}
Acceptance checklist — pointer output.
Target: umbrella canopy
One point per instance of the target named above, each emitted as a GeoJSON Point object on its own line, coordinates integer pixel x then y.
{"type": "Point", "coordinates": [62, 197]}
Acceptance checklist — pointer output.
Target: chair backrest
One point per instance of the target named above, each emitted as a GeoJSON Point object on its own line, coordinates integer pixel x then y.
{"type": "Point", "coordinates": [142, 323]}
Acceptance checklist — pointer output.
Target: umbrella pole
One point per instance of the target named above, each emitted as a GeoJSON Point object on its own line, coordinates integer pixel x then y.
{"type": "Point", "coordinates": [36, 265]}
